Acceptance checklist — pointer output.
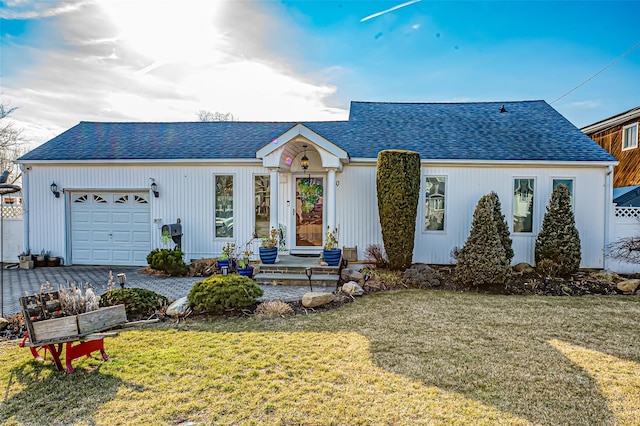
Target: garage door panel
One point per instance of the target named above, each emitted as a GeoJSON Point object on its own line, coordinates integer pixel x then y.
{"type": "Point", "coordinates": [110, 229]}
{"type": "Point", "coordinates": [100, 218]}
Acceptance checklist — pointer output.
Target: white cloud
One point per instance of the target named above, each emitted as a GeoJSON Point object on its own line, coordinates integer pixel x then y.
{"type": "Point", "coordinates": [126, 61]}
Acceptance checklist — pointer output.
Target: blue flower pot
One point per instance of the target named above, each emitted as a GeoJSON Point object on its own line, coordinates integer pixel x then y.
{"type": "Point", "coordinates": [247, 272]}
{"type": "Point", "coordinates": [268, 255]}
{"type": "Point", "coordinates": [332, 257]}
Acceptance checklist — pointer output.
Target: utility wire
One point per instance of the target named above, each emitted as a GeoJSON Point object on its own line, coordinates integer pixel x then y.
{"type": "Point", "coordinates": [599, 72]}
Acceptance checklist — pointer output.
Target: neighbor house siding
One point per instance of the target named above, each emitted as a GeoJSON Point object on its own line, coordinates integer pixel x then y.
{"type": "Point", "coordinates": [627, 172]}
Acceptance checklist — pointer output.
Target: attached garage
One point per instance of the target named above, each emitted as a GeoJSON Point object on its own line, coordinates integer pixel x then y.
{"type": "Point", "coordinates": [110, 228]}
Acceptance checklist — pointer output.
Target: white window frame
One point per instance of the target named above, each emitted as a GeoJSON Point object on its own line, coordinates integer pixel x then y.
{"type": "Point", "coordinates": [625, 130]}
{"type": "Point", "coordinates": [573, 188]}
{"type": "Point", "coordinates": [425, 200]}
{"type": "Point", "coordinates": [253, 183]}
{"type": "Point", "coordinates": [233, 200]}
{"type": "Point", "coordinates": [533, 207]}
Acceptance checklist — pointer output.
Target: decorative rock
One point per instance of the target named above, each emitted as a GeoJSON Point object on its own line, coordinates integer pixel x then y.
{"type": "Point", "coordinates": [523, 268]}
{"type": "Point", "coordinates": [316, 298]}
{"type": "Point", "coordinates": [323, 263]}
{"type": "Point", "coordinates": [3, 323]}
{"type": "Point", "coordinates": [179, 308]}
{"type": "Point", "coordinates": [629, 286]}
{"type": "Point", "coordinates": [349, 274]}
{"type": "Point", "coordinates": [352, 288]}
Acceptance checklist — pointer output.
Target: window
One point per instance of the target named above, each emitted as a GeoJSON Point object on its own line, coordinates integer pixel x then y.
{"type": "Point", "coordinates": [262, 189]}
{"type": "Point", "coordinates": [224, 206]}
{"type": "Point", "coordinates": [630, 136]}
{"type": "Point", "coordinates": [523, 205]}
{"type": "Point", "coordinates": [566, 182]}
{"type": "Point", "coordinates": [434, 203]}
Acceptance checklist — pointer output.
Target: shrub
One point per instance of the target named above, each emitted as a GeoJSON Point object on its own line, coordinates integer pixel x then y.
{"type": "Point", "coordinates": [168, 261]}
{"type": "Point", "coordinates": [138, 302]}
{"type": "Point", "coordinates": [398, 189]}
{"type": "Point", "coordinates": [218, 293]}
{"type": "Point", "coordinates": [421, 276]}
{"type": "Point", "coordinates": [483, 260]}
{"type": "Point", "coordinates": [381, 280]}
{"type": "Point", "coordinates": [559, 240]}
{"type": "Point", "coordinates": [274, 307]}
{"type": "Point", "coordinates": [503, 227]}
{"type": "Point", "coordinates": [376, 256]}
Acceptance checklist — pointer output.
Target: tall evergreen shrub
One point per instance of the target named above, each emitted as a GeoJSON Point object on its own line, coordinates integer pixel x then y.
{"type": "Point", "coordinates": [559, 241]}
{"type": "Point", "coordinates": [398, 188]}
{"type": "Point", "coordinates": [483, 258]}
{"type": "Point", "coordinates": [503, 227]}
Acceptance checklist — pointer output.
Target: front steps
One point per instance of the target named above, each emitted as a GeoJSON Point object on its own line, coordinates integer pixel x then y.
{"type": "Point", "coordinates": [290, 270]}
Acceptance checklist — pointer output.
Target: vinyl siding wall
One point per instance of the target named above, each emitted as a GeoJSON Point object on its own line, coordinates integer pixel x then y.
{"type": "Point", "coordinates": [187, 192]}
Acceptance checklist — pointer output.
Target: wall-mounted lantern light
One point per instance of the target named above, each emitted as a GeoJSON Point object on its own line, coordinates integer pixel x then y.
{"type": "Point", "coordinates": [54, 190]}
{"type": "Point", "coordinates": [154, 188]}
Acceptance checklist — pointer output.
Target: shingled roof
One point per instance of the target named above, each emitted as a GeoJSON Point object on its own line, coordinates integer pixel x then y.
{"type": "Point", "coordinates": [525, 130]}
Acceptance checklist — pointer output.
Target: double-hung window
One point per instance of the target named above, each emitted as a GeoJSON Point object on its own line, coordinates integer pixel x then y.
{"type": "Point", "coordinates": [224, 206]}
{"type": "Point", "coordinates": [434, 203]}
{"type": "Point", "coordinates": [630, 136]}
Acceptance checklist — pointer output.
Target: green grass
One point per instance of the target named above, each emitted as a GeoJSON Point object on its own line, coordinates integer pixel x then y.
{"type": "Point", "coordinates": [411, 357]}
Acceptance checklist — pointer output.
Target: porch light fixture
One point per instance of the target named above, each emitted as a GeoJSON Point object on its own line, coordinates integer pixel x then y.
{"type": "Point", "coordinates": [154, 188]}
{"type": "Point", "coordinates": [308, 271]}
{"type": "Point", "coordinates": [54, 190]}
{"type": "Point", "coordinates": [304, 161]}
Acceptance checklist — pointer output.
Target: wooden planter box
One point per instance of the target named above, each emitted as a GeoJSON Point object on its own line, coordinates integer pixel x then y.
{"type": "Point", "coordinates": [102, 319]}
{"type": "Point", "coordinates": [56, 328]}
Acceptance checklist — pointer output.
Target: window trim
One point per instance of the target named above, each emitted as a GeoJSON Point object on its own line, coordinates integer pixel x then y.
{"type": "Point", "coordinates": [533, 207]}
{"type": "Point", "coordinates": [634, 145]}
{"type": "Point", "coordinates": [423, 197]}
{"type": "Point", "coordinates": [233, 200]}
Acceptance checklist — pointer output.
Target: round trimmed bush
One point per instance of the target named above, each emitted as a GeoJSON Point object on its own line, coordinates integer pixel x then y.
{"type": "Point", "coordinates": [218, 293]}
{"type": "Point", "coordinates": [138, 302]}
{"type": "Point", "coordinates": [168, 261]}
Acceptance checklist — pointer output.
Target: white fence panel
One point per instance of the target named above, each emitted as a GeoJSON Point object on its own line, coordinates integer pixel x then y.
{"type": "Point", "coordinates": [13, 231]}
{"type": "Point", "coordinates": [626, 223]}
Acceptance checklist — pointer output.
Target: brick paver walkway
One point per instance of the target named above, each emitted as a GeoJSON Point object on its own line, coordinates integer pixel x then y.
{"type": "Point", "coordinates": [18, 282]}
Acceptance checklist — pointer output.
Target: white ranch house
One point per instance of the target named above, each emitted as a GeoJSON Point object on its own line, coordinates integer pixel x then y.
{"type": "Point", "coordinates": [227, 180]}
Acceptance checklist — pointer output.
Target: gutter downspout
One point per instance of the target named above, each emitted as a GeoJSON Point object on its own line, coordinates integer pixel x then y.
{"type": "Point", "coordinates": [608, 207]}
{"type": "Point", "coordinates": [25, 204]}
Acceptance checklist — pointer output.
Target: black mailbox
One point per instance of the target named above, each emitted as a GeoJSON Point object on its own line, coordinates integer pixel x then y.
{"type": "Point", "coordinates": [175, 231]}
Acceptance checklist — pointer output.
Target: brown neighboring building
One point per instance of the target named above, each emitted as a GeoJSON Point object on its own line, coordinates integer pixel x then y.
{"type": "Point", "coordinates": [619, 135]}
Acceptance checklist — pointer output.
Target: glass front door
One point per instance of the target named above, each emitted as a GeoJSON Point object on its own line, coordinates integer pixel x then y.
{"type": "Point", "coordinates": [309, 211]}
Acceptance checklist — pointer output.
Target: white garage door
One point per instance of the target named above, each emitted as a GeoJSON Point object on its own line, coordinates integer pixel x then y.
{"type": "Point", "coordinates": [110, 228]}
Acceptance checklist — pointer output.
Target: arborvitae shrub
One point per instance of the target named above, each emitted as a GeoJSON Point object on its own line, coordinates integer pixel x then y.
{"type": "Point", "coordinates": [559, 240]}
{"type": "Point", "coordinates": [138, 302]}
{"type": "Point", "coordinates": [503, 227]}
{"type": "Point", "coordinates": [168, 261]}
{"type": "Point", "coordinates": [218, 293]}
{"type": "Point", "coordinates": [483, 259]}
{"type": "Point", "coordinates": [398, 189]}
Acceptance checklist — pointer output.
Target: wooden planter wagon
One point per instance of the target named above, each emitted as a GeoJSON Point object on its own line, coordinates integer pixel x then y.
{"type": "Point", "coordinates": [49, 333]}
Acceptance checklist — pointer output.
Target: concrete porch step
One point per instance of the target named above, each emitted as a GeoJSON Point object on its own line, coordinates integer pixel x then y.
{"type": "Point", "coordinates": [278, 268]}
{"type": "Point", "coordinates": [317, 280]}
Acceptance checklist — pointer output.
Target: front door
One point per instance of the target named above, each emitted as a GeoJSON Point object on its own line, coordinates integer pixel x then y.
{"type": "Point", "coordinates": [309, 213]}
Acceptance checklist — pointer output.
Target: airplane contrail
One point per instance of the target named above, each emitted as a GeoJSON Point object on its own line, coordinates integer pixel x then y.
{"type": "Point", "coordinates": [375, 15]}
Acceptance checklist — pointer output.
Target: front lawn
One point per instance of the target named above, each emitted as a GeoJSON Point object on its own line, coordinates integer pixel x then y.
{"type": "Point", "coordinates": [410, 357]}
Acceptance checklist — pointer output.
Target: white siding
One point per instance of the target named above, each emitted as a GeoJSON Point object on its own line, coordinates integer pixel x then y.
{"type": "Point", "coordinates": [187, 192]}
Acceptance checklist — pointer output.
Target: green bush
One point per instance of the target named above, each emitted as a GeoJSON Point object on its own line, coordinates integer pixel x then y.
{"type": "Point", "coordinates": [398, 189]}
{"type": "Point", "coordinates": [503, 227]}
{"type": "Point", "coordinates": [138, 302]}
{"type": "Point", "coordinates": [218, 293]}
{"type": "Point", "coordinates": [168, 261]}
{"type": "Point", "coordinates": [559, 240]}
{"type": "Point", "coordinates": [483, 259]}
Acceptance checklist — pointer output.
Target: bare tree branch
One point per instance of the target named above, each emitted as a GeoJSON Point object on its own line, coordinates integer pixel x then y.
{"type": "Point", "coordinates": [208, 116]}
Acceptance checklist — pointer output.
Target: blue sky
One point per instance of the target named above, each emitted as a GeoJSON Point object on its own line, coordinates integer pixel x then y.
{"type": "Point", "coordinates": [131, 60]}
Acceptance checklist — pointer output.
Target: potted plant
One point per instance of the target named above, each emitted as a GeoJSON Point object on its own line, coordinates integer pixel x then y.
{"type": "Point", "coordinates": [41, 259]}
{"type": "Point", "coordinates": [227, 253]}
{"type": "Point", "coordinates": [244, 267]}
{"type": "Point", "coordinates": [331, 253]}
{"type": "Point", "coordinates": [269, 247]}
{"type": "Point", "coordinates": [53, 261]}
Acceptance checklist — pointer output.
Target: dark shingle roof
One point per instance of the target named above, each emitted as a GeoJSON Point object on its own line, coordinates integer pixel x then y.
{"type": "Point", "coordinates": [529, 130]}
